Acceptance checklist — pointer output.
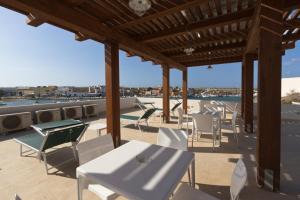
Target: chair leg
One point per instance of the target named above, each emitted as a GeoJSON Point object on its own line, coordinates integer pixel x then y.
{"type": "Point", "coordinates": [213, 139]}
{"type": "Point", "coordinates": [39, 156]}
{"type": "Point", "coordinates": [75, 151]}
{"type": "Point", "coordinates": [189, 175]}
{"type": "Point", "coordinates": [45, 161]}
{"type": "Point", "coordinates": [21, 151]}
{"type": "Point", "coordinates": [139, 127]}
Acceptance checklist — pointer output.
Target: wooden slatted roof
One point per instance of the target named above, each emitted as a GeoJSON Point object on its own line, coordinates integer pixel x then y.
{"type": "Point", "coordinates": [217, 29]}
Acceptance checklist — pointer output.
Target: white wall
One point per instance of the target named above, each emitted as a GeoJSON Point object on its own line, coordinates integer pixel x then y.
{"type": "Point", "coordinates": [125, 103]}
{"type": "Point", "coordinates": [289, 84]}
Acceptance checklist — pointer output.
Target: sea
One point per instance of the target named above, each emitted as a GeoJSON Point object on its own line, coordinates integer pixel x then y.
{"type": "Point", "coordinates": [24, 102]}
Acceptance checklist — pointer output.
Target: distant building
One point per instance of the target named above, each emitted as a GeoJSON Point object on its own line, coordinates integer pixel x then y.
{"type": "Point", "coordinates": [25, 91]}
{"type": "Point", "coordinates": [290, 85]}
{"type": "Point", "coordinates": [45, 91]}
{"type": "Point", "coordinates": [9, 91]}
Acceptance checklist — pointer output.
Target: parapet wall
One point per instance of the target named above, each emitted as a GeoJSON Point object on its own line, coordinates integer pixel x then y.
{"type": "Point", "coordinates": [125, 103]}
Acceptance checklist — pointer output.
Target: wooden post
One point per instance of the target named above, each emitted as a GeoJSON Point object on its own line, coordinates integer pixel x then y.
{"type": "Point", "coordinates": [248, 88]}
{"type": "Point", "coordinates": [243, 91]}
{"type": "Point", "coordinates": [184, 90]}
{"type": "Point", "coordinates": [269, 92]}
{"type": "Point", "coordinates": [166, 93]}
{"type": "Point", "coordinates": [112, 91]}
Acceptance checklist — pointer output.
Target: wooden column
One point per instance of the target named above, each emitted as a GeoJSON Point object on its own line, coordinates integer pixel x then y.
{"type": "Point", "coordinates": [248, 88]}
{"type": "Point", "coordinates": [269, 92]}
{"type": "Point", "coordinates": [243, 91]}
{"type": "Point", "coordinates": [112, 91]}
{"type": "Point", "coordinates": [184, 90]}
{"type": "Point", "coordinates": [166, 93]}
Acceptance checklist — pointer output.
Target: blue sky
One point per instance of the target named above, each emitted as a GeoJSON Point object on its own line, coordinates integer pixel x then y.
{"type": "Point", "coordinates": [47, 55]}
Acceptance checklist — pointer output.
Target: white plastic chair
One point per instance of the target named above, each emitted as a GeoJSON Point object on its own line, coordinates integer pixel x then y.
{"type": "Point", "coordinates": [17, 197]}
{"type": "Point", "coordinates": [176, 139]}
{"type": "Point", "coordinates": [201, 106]}
{"type": "Point", "coordinates": [204, 123]}
{"type": "Point", "coordinates": [238, 182]}
{"type": "Point", "coordinates": [233, 124]}
{"type": "Point", "coordinates": [216, 107]}
{"type": "Point", "coordinates": [183, 120]}
{"type": "Point", "coordinates": [90, 150]}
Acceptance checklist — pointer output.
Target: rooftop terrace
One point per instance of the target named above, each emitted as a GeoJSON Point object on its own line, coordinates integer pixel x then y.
{"type": "Point", "coordinates": [26, 175]}
{"type": "Point", "coordinates": [181, 34]}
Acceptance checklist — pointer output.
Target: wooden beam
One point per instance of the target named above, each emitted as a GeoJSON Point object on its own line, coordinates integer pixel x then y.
{"type": "Point", "coordinates": [290, 45]}
{"type": "Point", "coordinates": [184, 90]}
{"type": "Point", "coordinates": [291, 4]}
{"type": "Point", "coordinates": [252, 39]}
{"type": "Point", "coordinates": [112, 91]}
{"type": "Point", "coordinates": [269, 93]}
{"type": "Point", "coordinates": [33, 20]}
{"type": "Point", "coordinates": [62, 15]}
{"type": "Point", "coordinates": [248, 103]}
{"type": "Point", "coordinates": [291, 37]}
{"type": "Point", "coordinates": [213, 48]}
{"type": "Point", "coordinates": [292, 23]}
{"type": "Point", "coordinates": [208, 40]}
{"type": "Point", "coordinates": [80, 37]}
{"type": "Point", "coordinates": [201, 25]}
{"type": "Point", "coordinates": [166, 93]}
{"type": "Point", "coordinates": [162, 13]}
{"type": "Point", "coordinates": [224, 60]}
{"type": "Point", "coordinates": [75, 2]}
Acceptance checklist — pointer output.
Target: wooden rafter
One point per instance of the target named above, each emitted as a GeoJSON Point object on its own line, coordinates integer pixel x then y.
{"type": "Point", "coordinates": [75, 2]}
{"type": "Point", "coordinates": [213, 48]}
{"type": "Point", "coordinates": [162, 13]}
{"type": "Point", "coordinates": [252, 39]}
{"type": "Point", "coordinates": [202, 25]}
{"type": "Point", "coordinates": [216, 61]}
{"type": "Point", "coordinates": [80, 37]}
{"type": "Point", "coordinates": [208, 40]}
{"type": "Point", "coordinates": [65, 16]}
{"type": "Point", "coordinates": [291, 4]}
{"type": "Point", "coordinates": [293, 23]}
{"type": "Point", "coordinates": [34, 20]}
{"type": "Point", "coordinates": [291, 37]}
{"type": "Point", "coordinates": [167, 28]}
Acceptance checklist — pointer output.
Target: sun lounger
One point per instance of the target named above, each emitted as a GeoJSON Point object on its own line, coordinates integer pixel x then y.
{"type": "Point", "coordinates": [139, 119]}
{"type": "Point", "coordinates": [160, 111]}
{"type": "Point", "coordinates": [41, 140]}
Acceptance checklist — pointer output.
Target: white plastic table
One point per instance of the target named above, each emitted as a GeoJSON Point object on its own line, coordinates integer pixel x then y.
{"type": "Point", "coordinates": [138, 171]}
{"type": "Point", "coordinates": [174, 138]}
{"type": "Point", "coordinates": [98, 127]}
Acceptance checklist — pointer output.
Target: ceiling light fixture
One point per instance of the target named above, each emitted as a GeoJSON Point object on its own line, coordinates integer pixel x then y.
{"type": "Point", "coordinates": [140, 7]}
{"type": "Point", "coordinates": [189, 51]}
{"type": "Point", "coordinates": [209, 67]}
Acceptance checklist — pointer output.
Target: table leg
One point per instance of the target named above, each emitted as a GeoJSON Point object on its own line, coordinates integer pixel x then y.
{"type": "Point", "coordinates": [193, 173]}
{"type": "Point", "coordinates": [220, 132]}
{"type": "Point", "coordinates": [79, 189]}
{"type": "Point", "coordinates": [99, 132]}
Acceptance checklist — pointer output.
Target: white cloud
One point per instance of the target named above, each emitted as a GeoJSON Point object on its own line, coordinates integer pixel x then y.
{"type": "Point", "coordinates": [291, 61]}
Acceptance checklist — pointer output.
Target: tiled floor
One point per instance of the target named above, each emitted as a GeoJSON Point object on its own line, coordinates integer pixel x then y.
{"type": "Point", "coordinates": [27, 177]}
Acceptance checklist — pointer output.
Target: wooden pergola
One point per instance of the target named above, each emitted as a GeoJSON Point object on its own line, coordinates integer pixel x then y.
{"type": "Point", "coordinates": [220, 31]}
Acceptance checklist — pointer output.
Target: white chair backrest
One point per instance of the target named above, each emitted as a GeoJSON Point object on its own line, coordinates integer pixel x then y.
{"type": "Point", "coordinates": [238, 179]}
{"type": "Point", "coordinates": [203, 122]}
{"type": "Point", "coordinates": [234, 115]}
{"type": "Point", "coordinates": [94, 148]}
{"type": "Point", "coordinates": [201, 105]}
{"type": "Point", "coordinates": [17, 197]}
{"type": "Point", "coordinates": [177, 139]}
{"type": "Point", "coordinates": [180, 115]}
{"type": "Point", "coordinates": [211, 107]}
